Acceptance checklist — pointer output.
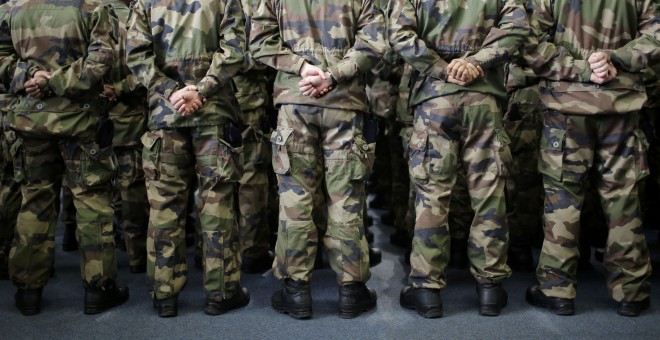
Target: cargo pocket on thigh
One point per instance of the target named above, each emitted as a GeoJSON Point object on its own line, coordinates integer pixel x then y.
{"type": "Point", "coordinates": [97, 165]}
{"type": "Point", "coordinates": [641, 160]}
{"type": "Point", "coordinates": [16, 154]}
{"type": "Point", "coordinates": [361, 159]}
{"type": "Point", "coordinates": [152, 143]}
{"type": "Point", "coordinates": [281, 159]}
{"type": "Point", "coordinates": [551, 163]}
{"type": "Point", "coordinates": [230, 162]}
{"type": "Point", "coordinates": [503, 158]}
{"type": "Point", "coordinates": [418, 165]}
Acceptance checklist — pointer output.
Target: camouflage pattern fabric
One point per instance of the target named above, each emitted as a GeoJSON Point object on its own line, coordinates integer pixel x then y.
{"type": "Point", "coordinates": [170, 158]}
{"type": "Point", "coordinates": [128, 113]}
{"type": "Point", "coordinates": [524, 191]}
{"type": "Point", "coordinates": [570, 146]}
{"type": "Point", "coordinates": [10, 201]}
{"type": "Point", "coordinates": [253, 187]}
{"type": "Point", "coordinates": [455, 123]}
{"type": "Point", "coordinates": [60, 134]}
{"type": "Point", "coordinates": [39, 165]}
{"type": "Point", "coordinates": [561, 54]}
{"type": "Point", "coordinates": [253, 97]}
{"type": "Point", "coordinates": [198, 44]}
{"type": "Point", "coordinates": [187, 46]}
{"type": "Point", "coordinates": [133, 203]}
{"type": "Point", "coordinates": [299, 147]}
{"type": "Point", "coordinates": [485, 32]}
{"type": "Point", "coordinates": [343, 37]}
{"type": "Point", "coordinates": [319, 140]}
{"type": "Point", "coordinates": [581, 134]}
{"type": "Point", "coordinates": [443, 139]}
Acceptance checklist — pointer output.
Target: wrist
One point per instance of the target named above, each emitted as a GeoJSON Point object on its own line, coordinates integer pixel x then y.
{"type": "Point", "coordinates": [332, 78]}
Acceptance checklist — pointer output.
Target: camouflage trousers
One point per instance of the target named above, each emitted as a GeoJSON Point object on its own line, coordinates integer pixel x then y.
{"type": "Point", "coordinates": [407, 223]}
{"type": "Point", "coordinates": [39, 165]}
{"type": "Point", "coordinates": [523, 122]}
{"type": "Point", "coordinates": [171, 158]}
{"type": "Point", "coordinates": [253, 188]}
{"type": "Point", "coordinates": [615, 147]}
{"type": "Point", "coordinates": [309, 139]}
{"type": "Point", "coordinates": [133, 203]}
{"type": "Point", "coordinates": [10, 204]}
{"type": "Point", "coordinates": [465, 126]}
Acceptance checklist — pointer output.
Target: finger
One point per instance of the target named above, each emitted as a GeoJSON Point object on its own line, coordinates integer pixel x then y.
{"type": "Point", "coordinates": [306, 88]}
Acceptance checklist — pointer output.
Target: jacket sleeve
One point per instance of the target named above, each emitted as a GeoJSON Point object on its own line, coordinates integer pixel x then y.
{"type": "Point", "coordinates": [87, 72]}
{"type": "Point", "coordinates": [544, 57]}
{"type": "Point", "coordinates": [266, 43]}
{"type": "Point", "coordinates": [644, 51]}
{"type": "Point", "coordinates": [140, 56]}
{"type": "Point", "coordinates": [369, 45]}
{"type": "Point", "coordinates": [404, 40]}
{"type": "Point", "coordinates": [504, 40]}
{"type": "Point", "coordinates": [228, 60]}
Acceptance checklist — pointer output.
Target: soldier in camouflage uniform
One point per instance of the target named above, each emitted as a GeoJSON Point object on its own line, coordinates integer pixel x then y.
{"type": "Point", "coordinates": [186, 59]}
{"type": "Point", "coordinates": [343, 39]}
{"type": "Point", "coordinates": [254, 99]}
{"type": "Point", "coordinates": [128, 112]}
{"type": "Point", "coordinates": [457, 122]}
{"type": "Point", "coordinates": [524, 191]}
{"type": "Point", "coordinates": [58, 125]}
{"type": "Point", "coordinates": [10, 194]}
{"type": "Point", "coordinates": [591, 91]}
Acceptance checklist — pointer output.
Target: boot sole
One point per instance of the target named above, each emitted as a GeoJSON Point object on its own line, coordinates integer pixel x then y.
{"type": "Point", "coordinates": [100, 308]}
{"type": "Point", "coordinates": [428, 313]}
{"type": "Point", "coordinates": [214, 310]}
{"type": "Point", "coordinates": [296, 313]}
{"type": "Point", "coordinates": [561, 310]}
{"type": "Point", "coordinates": [28, 311]}
{"type": "Point", "coordinates": [353, 311]}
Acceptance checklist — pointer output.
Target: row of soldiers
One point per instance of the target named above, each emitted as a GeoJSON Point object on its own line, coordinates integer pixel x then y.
{"type": "Point", "coordinates": [163, 98]}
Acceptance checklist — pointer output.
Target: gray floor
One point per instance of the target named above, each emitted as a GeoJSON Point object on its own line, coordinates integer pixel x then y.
{"type": "Point", "coordinates": [62, 316]}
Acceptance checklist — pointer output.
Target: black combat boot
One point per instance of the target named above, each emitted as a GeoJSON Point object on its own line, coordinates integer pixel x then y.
{"type": "Point", "coordinates": [167, 308]}
{"type": "Point", "coordinates": [375, 256]}
{"type": "Point", "coordinates": [560, 306]}
{"type": "Point", "coordinates": [294, 298]}
{"type": "Point", "coordinates": [492, 298]}
{"type": "Point", "coordinates": [354, 299]}
{"type": "Point", "coordinates": [28, 301]}
{"type": "Point", "coordinates": [633, 308]}
{"type": "Point", "coordinates": [100, 299]}
{"type": "Point", "coordinates": [258, 265]}
{"type": "Point", "coordinates": [240, 299]}
{"type": "Point", "coordinates": [427, 302]}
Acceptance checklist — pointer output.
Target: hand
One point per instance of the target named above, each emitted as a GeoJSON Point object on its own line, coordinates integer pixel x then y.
{"type": "Point", "coordinates": [35, 86]}
{"type": "Point", "coordinates": [109, 92]}
{"type": "Point", "coordinates": [187, 100]}
{"type": "Point", "coordinates": [315, 86]}
{"type": "Point", "coordinates": [609, 74]}
{"type": "Point", "coordinates": [308, 70]}
{"type": "Point", "coordinates": [599, 63]}
{"type": "Point", "coordinates": [460, 70]}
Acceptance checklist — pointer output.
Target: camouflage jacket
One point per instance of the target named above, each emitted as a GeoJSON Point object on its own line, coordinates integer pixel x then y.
{"type": "Point", "coordinates": [129, 111]}
{"type": "Point", "coordinates": [568, 32]}
{"type": "Point", "coordinates": [174, 44]}
{"type": "Point", "coordinates": [344, 37]}
{"type": "Point", "coordinates": [428, 34]}
{"type": "Point", "coordinates": [73, 41]}
{"type": "Point", "coordinates": [251, 83]}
